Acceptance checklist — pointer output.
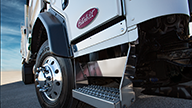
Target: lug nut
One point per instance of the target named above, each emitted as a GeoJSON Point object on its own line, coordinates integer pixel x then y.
{"type": "Point", "coordinates": [38, 69]}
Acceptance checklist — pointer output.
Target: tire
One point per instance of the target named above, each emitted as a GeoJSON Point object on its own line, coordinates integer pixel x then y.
{"type": "Point", "coordinates": [64, 98]}
{"type": "Point", "coordinates": [27, 73]}
{"type": "Point", "coordinates": [59, 90]}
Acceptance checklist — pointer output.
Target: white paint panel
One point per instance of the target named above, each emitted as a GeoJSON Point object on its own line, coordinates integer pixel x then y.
{"type": "Point", "coordinates": [116, 30]}
{"type": "Point", "coordinates": [112, 67]}
{"type": "Point", "coordinates": [141, 10]}
{"type": "Point", "coordinates": [107, 10]}
{"type": "Point", "coordinates": [106, 44]}
{"type": "Point", "coordinates": [128, 36]}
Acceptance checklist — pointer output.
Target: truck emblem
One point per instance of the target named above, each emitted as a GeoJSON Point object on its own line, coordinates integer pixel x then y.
{"type": "Point", "coordinates": [87, 18]}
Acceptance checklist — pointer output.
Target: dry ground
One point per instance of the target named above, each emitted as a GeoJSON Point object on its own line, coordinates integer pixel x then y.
{"type": "Point", "coordinates": [8, 77]}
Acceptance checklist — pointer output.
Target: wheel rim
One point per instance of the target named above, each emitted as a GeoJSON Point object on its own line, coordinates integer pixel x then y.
{"type": "Point", "coordinates": [49, 78]}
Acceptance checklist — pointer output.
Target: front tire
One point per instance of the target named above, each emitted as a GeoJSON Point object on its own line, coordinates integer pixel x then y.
{"type": "Point", "coordinates": [53, 79]}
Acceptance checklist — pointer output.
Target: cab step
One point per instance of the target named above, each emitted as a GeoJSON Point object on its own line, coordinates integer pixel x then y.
{"type": "Point", "coordinates": [98, 96]}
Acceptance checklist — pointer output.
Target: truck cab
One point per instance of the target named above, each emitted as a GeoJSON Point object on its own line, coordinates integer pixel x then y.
{"type": "Point", "coordinates": [96, 52]}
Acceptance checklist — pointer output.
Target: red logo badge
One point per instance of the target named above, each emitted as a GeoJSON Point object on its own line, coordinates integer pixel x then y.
{"type": "Point", "coordinates": [87, 18]}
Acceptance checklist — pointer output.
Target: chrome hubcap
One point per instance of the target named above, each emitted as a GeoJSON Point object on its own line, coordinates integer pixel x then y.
{"type": "Point", "coordinates": [49, 78]}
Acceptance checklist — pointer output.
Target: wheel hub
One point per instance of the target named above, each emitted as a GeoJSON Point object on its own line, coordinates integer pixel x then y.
{"type": "Point", "coordinates": [49, 78]}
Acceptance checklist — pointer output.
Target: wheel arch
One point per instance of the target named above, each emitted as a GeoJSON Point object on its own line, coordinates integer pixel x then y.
{"type": "Point", "coordinates": [49, 26]}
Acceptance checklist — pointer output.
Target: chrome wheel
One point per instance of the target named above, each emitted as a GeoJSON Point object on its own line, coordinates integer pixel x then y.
{"type": "Point", "coordinates": [53, 79]}
{"type": "Point", "coordinates": [49, 78]}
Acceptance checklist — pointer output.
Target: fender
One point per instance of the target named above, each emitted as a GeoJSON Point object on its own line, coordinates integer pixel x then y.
{"type": "Point", "coordinates": [57, 36]}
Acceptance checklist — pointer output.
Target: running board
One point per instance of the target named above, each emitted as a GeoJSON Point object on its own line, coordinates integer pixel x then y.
{"type": "Point", "coordinates": [98, 96]}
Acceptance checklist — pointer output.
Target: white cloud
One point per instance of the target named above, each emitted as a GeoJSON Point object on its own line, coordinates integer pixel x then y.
{"type": "Point", "coordinates": [10, 30]}
{"type": "Point", "coordinates": [8, 41]}
{"type": "Point", "coordinates": [14, 4]}
{"type": "Point", "coordinates": [10, 19]}
{"type": "Point", "coordinates": [10, 54]}
{"type": "Point", "coordinates": [9, 36]}
{"type": "Point", "coordinates": [11, 14]}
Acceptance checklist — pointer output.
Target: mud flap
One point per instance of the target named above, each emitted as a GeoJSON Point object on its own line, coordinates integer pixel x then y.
{"type": "Point", "coordinates": [27, 73]}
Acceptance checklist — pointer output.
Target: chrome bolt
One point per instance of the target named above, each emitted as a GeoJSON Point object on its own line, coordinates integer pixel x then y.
{"type": "Point", "coordinates": [122, 29]}
{"type": "Point", "coordinates": [132, 45]}
{"type": "Point", "coordinates": [129, 66]}
{"type": "Point", "coordinates": [134, 56]}
{"type": "Point", "coordinates": [39, 69]}
{"type": "Point", "coordinates": [132, 77]}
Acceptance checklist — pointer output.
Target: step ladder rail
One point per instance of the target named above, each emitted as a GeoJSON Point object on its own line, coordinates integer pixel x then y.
{"type": "Point", "coordinates": [127, 95]}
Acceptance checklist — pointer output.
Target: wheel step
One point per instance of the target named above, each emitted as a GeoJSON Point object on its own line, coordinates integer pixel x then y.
{"type": "Point", "coordinates": [98, 96]}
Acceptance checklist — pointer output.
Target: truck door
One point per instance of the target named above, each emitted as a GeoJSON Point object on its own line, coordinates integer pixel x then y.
{"type": "Point", "coordinates": [83, 16]}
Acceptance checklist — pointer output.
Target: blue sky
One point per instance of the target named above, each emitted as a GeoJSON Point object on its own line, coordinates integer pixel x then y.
{"type": "Point", "coordinates": [12, 15]}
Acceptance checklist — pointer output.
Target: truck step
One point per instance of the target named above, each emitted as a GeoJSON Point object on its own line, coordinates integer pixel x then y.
{"type": "Point", "coordinates": [98, 96]}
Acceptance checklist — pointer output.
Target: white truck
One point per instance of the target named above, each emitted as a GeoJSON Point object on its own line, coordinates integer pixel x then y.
{"type": "Point", "coordinates": [92, 53]}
